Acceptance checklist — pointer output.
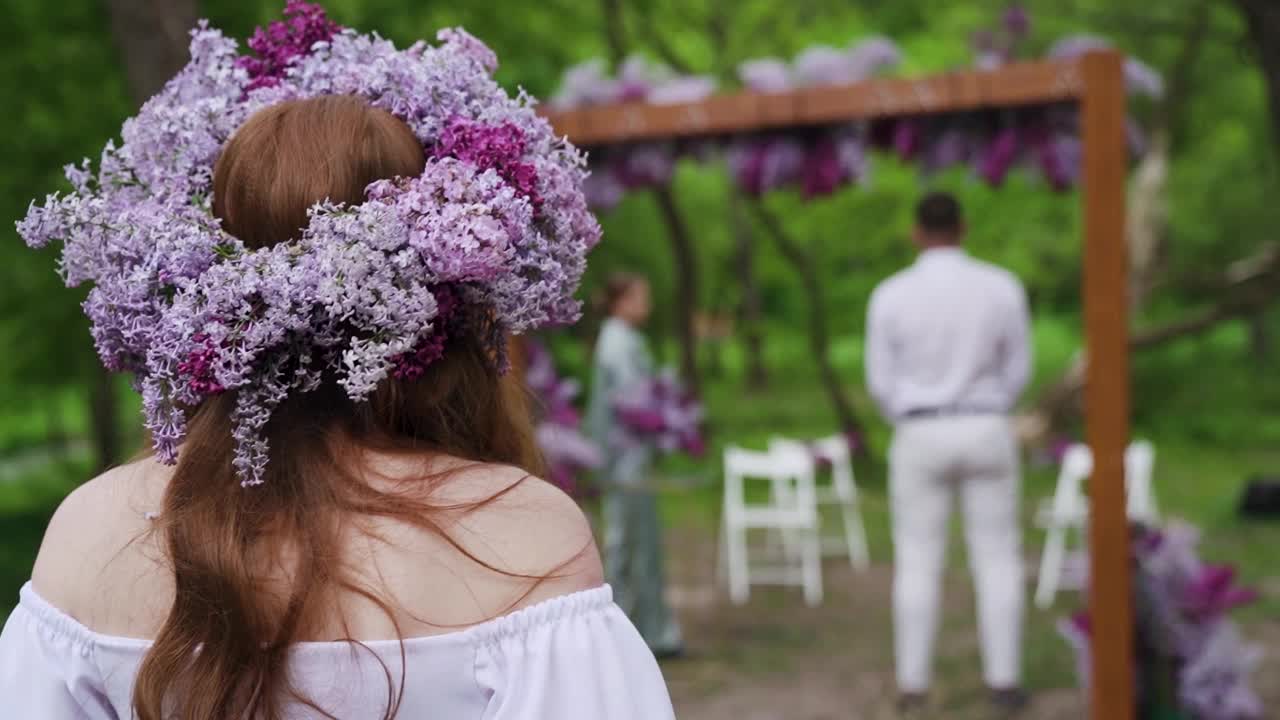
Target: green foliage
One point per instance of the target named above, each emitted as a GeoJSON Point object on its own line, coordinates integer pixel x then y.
{"type": "Point", "coordinates": [64, 95]}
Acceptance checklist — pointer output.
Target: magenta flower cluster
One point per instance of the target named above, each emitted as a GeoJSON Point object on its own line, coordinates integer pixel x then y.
{"type": "Point", "coordinates": [489, 147]}
{"type": "Point", "coordinates": [413, 365]}
{"type": "Point", "coordinates": [283, 41]}
{"type": "Point", "coordinates": [660, 411]}
{"type": "Point", "coordinates": [496, 229]}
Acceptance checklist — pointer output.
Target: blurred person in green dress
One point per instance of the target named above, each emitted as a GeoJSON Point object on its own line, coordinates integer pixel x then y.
{"type": "Point", "coordinates": [632, 530]}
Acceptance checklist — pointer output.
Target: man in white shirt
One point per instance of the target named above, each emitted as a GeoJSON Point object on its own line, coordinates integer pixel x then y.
{"type": "Point", "coordinates": [947, 356]}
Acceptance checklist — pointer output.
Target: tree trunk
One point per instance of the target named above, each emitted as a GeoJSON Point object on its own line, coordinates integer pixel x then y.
{"type": "Point", "coordinates": [686, 262]}
{"type": "Point", "coordinates": [614, 30]}
{"type": "Point", "coordinates": [1263, 20]}
{"type": "Point", "coordinates": [152, 39]}
{"type": "Point", "coordinates": [749, 311]}
{"type": "Point", "coordinates": [1148, 219]}
{"type": "Point", "coordinates": [819, 335]}
{"type": "Point", "coordinates": [1259, 338]}
{"type": "Point", "coordinates": [104, 419]}
{"type": "Point", "coordinates": [55, 425]}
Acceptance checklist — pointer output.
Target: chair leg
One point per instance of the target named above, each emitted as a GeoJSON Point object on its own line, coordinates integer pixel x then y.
{"type": "Point", "coordinates": [738, 564]}
{"type": "Point", "coordinates": [792, 545]}
{"type": "Point", "coordinates": [722, 549]}
{"type": "Point", "coordinates": [1051, 566]}
{"type": "Point", "coordinates": [856, 536]}
{"type": "Point", "coordinates": [812, 567]}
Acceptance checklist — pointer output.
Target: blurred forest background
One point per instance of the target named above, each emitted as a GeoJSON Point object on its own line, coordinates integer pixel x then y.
{"type": "Point", "coordinates": [1205, 245]}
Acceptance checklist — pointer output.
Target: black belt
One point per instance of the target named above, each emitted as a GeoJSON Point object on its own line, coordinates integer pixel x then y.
{"type": "Point", "coordinates": [950, 411]}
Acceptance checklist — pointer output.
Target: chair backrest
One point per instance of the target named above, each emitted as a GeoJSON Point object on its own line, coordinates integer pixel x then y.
{"type": "Point", "coordinates": [781, 464]}
{"type": "Point", "coordinates": [834, 449]}
{"type": "Point", "coordinates": [1077, 465]}
{"type": "Point", "coordinates": [1139, 468]}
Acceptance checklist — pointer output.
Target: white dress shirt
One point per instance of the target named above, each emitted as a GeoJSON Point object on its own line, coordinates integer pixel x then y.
{"type": "Point", "coordinates": [949, 333]}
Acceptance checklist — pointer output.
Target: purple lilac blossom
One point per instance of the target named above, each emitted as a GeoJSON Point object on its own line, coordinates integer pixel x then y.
{"type": "Point", "coordinates": [1187, 602]}
{"type": "Point", "coordinates": [999, 157]}
{"type": "Point", "coordinates": [766, 164]}
{"type": "Point", "coordinates": [1141, 79]}
{"type": "Point", "coordinates": [584, 85]}
{"type": "Point", "coordinates": [1017, 21]}
{"type": "Point", "coordinates": [949, 148]}
{"type": "Point", "coordinates": [1214, 685]}
{"type": "Point", "coordinates": [767, 75]}
{"type": "Point", "coordinates": [659, 411]}
{"type": "Point", "coordinates": [1212, 592]}
{"type": "Point", "coordinates": [603, 189]}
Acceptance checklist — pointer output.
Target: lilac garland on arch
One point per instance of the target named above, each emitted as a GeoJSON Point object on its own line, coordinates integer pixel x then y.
{"type": "Point", "coordinates": [497, 223]}
{"type": "Point", "coordinates": [616, 170]}
{"type": "Point", "coordinates": [820, 161]}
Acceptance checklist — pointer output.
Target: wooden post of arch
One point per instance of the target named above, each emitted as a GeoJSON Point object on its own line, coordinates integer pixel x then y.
{"type": "Point", "coordinates": [1106, 319]}
{"type": "Point", "coordinates": [1096, 83]}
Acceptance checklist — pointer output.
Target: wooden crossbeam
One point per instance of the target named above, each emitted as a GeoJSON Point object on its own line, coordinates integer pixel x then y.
{"type": "Point", "coordinates": [1031, 83]}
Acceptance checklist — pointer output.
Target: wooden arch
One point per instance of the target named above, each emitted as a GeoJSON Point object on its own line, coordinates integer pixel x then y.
{"type": "Point", "coordinates": [1096, 82]}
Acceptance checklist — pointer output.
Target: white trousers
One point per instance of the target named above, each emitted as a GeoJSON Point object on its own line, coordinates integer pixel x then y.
{"type": "Point", "coordinates": [930, 461]}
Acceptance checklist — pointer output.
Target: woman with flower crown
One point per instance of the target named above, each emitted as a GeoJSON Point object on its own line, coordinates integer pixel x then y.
{"type": "Point", "coordinates": [310, 258]}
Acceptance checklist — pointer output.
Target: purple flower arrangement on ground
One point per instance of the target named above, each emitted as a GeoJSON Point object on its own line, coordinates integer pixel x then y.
{"type": "Point", "coordinates": [661, 412]}
{"type": "Point", "coordinates": [492, 237]}
{"type": "Point", "coordinates": [1193, 662]}
{"type": "Point", "coordinates": [569, 453]}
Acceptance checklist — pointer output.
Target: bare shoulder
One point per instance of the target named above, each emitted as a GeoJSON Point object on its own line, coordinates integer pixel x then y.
{"type": "Point", "coordinates": [523, 525]}
{"type": "Point", "coordinates": [95, 544]}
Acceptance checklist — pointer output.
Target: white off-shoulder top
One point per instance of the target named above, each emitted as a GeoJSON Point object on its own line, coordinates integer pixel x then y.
{"type": "Point", "coordinates": [575, 657]}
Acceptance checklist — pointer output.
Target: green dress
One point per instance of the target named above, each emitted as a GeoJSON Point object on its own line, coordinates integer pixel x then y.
{"type": "Point", "coordinates": [632, 532]}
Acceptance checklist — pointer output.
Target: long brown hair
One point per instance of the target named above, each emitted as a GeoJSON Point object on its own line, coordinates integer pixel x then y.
{"type": "Point", "coordinates": [222, 650]}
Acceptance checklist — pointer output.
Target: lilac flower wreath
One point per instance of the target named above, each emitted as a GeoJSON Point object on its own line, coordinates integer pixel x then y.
{"type": "Point", "coordinates": [496, 225]}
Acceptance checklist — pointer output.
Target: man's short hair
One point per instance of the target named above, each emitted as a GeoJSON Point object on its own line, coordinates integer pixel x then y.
{"type": "Point", "coordinates": [939, 213]}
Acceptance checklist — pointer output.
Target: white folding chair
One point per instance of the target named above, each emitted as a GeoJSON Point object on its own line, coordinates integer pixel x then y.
{"type": "Point", "coordinates": [841, 491]}
{"type": "Point", "coordinates": [791, 509]}
{"type": "Point", "coordinates": [1068, 509]}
